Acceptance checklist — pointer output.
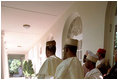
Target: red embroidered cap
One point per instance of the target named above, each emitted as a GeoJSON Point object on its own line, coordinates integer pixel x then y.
{"type": "Point", "coordinates": [102, 51]}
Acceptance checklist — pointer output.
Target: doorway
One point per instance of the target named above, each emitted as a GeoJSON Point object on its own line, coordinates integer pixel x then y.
{"type": "Point", "coordinates": [15, 64]}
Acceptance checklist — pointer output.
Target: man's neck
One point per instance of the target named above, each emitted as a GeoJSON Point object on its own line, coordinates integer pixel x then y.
{"type": "Point", "coordinates": [71, 55]}
{"type": "Point", "coordinates": [51, 54]}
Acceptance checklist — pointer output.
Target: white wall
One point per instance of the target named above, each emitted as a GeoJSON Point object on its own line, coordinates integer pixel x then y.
{"type": "Point", "coordinates": [93, 20]}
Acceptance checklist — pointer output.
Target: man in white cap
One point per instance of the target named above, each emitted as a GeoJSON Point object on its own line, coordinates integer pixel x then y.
{"type": "Point", "coordinates": [71, 67]}
{"type": "Point", "coordinates": [48, 68]}
{"type": "Point", "coordinates": [90, 63]}
{"type": "Point", "coordinates": [84, 60]}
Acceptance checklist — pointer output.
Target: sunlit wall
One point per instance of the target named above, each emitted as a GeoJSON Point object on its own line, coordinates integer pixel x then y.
{"type": "Point", "coordinates": [37, 56]}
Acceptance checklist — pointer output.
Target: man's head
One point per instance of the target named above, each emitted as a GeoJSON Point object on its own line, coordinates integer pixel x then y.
{"type": "Point", "coordinates": [70, 48]}
{"type": "Point", "coordinates": [101, 53]}
{"type": "Point", "coordinates": [91, 60]}
{"type": "Point", "coordinates": [50, 48]}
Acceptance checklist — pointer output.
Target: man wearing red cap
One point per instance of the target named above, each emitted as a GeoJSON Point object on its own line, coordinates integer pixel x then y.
{"type": "Point", "coordinates": [101, 64]}
{"type": "Point", "coordinates": [101, 55]}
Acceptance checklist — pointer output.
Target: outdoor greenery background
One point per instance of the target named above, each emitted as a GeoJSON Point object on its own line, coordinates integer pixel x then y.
{"type": "Point", "coordinates": [13, 65]}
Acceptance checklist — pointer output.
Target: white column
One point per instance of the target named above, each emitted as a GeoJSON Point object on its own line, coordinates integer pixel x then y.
{"type": "Point", "coordinates": [2, 54]}
{"type": "Point", "coordinates": [4, 59]}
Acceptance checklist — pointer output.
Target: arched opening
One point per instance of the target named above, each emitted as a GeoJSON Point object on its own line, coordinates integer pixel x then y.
{"type": "Point", "coordinates": [73, 29]}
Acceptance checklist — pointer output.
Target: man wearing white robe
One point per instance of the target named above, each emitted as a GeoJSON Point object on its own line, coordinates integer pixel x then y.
{"type": "Point", "coordinates": [48, 68]}
{"type": "Point", "coordinates": [71, 67]}
{"type": "Point", "coordinates": [90, 63]}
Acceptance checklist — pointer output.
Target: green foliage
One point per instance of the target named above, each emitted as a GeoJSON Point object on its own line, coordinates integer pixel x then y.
{"type": "Point", "coordinates": [13, 65]}
{"type": "Point", "coordinates": [27, 68]}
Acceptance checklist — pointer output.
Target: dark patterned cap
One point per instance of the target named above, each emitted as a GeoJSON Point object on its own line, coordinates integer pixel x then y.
{"type": "Point", "coordinates": [51, 43]}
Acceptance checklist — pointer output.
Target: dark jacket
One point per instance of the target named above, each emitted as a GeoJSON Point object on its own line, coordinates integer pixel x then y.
{"type": "Point", "coordinates": [113, 73]}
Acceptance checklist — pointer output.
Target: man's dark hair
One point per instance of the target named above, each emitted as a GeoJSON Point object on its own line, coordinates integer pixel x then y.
{"type": "Point", "coordinates": [84, 58]}
{"type": "Point", "coordinates": [73, 49]}
{"type": "Point", "coordinates": [52, 49]}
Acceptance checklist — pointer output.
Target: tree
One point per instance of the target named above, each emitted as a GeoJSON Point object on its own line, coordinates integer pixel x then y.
{"type": "Point", "coordinates": [27, 68]}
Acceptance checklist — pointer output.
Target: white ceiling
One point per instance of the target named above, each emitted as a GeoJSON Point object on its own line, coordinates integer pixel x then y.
{"type": "Point", "coordinates": [41, 15]}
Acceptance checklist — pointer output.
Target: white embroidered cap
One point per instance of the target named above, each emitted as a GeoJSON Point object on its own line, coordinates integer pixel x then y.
{"type": "Point", "coordinates": [73, 42]}
{"type": "Point", "coordinates": [92, 57]}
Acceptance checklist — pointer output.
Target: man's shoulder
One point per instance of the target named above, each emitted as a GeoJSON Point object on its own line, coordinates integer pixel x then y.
{"type": "Point", "coordinates": [53, 58]}
{"type": "Point", "coordinates": [95, 71]}
{"type": "Point", "coordinates": [66, 62]}
{"type": "Point", "coordinates": [63, 65]}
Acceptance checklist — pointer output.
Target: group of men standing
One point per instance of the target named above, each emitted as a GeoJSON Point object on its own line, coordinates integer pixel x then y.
{"type": "Point", "coordinates": [70, 67]}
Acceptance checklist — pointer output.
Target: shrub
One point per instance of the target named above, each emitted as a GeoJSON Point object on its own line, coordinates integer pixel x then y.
{"type": "Point", "coordinates": [27, 68]}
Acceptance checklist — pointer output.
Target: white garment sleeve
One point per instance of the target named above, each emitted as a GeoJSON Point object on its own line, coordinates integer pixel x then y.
{"type": "Point", "coordinates": [69, 69]}
{"type": "Point", "coordinates": [61, 72]}
{"type": "Point", "coordinates": [43, 70]}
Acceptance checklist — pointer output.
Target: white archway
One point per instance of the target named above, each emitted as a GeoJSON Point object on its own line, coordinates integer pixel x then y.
{"type": "Point", "coordinates": [73, 29]}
